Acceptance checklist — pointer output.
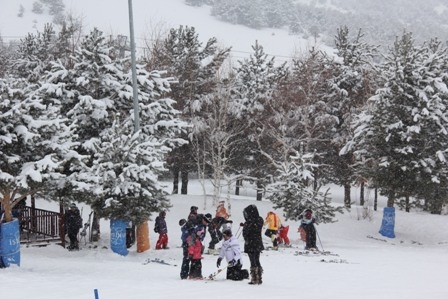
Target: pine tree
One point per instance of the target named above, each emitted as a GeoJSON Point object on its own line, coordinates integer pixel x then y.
{"type": "Point", "coordinates": [91, 94]}
{"type": "Point", "coordinates": [349, 88]}
{"type": "Point", "coordinates": [392, 136]}
{"type": "Point", "coordinates": [292, 193]}
{"type": "Point", "coordinates": [127, 170]}
{"type": "Point", "coordinates": [32, 143]}
{"type": "Point", "coordinates": [257, 78]}
{"type": "Point", "coordinates": [194, 66]}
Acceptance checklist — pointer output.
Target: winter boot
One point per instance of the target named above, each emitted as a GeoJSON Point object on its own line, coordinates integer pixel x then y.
{"type": "Point", "coordinates": [252, 275]}
{"type": "Point", "coordinates": [259, 275]}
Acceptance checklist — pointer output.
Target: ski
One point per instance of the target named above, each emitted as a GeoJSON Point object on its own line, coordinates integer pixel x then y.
{"type": "Point", "coordinates": [158, 261]}
{"type": "Point", "coordinates": [314, 253]}
{"type": "Point", "coordinates": [334, 261]}
{"type": "Point", "coordinates": [378, 239]}
{"type": "Point", "coordinates": [213, 275]}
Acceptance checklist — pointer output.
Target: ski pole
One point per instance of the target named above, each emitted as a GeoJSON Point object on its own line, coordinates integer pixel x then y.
{"type": "Point", "coordinates": [236, 234]}
{"type": "Point", "coordinates": [320, 241]}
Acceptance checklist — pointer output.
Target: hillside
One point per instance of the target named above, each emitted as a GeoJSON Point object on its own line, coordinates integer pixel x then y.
{"type": "Point", "coordinates": [366, 265]}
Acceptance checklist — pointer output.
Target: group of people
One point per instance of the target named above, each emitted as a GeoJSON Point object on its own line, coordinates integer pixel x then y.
{"type": "Point", "coordinates": [193, 231]}
{"type": "Point", "coordinates": [279, 233]}
{"type": "Point", "coordinates": [195, 226]}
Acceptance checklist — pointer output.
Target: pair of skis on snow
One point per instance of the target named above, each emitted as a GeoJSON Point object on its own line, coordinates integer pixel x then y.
{"type": "Point", "coordinates": [314, 253]}
{"type": "Point", "coordinates": [158, 261]}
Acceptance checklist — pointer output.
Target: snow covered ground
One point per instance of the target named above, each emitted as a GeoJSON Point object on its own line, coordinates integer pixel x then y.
{"type": "Point", "coordinates": [413, 265]}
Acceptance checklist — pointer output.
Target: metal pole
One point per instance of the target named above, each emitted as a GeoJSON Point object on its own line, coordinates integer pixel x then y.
{"type": "Point", "coordinates": [134, 70]}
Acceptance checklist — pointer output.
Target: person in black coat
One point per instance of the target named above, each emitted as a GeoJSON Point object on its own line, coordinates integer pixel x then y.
{"type": "Point", "coordinates": [253, 243]}
{"type": "Point", "coordinates": [73, 223]}
{"type": "Point", "coordinates": [214, 229]}
{"type": "Point", "coordinates": [307, 223]}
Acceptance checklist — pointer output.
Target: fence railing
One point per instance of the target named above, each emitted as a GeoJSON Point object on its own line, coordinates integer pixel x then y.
{"type": "Point", "coordinates": [38, 224]}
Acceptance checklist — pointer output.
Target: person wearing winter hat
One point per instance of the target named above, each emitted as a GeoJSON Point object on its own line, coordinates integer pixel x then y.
{"type": "Point", "coordinates": [195, 253]}
{"type": "Point", "coordinates": [193, 216]}
{"type": "Point", "coordinates": [253, 243]}
{"type": "Point", "coordinates": [187, 229]}
{"type": "Point", "coordinates": [221, 210]}
{"type": "Point", "coordinates": [161, 228]}
{"type": "Point", "coordinates": [231, 251]}
{"type": "Point", "coordinates": [307, 224]}
{"type": "Point", "coordinates": [73, 223]}
{"type": "Point", "coordinates": [214, 229]}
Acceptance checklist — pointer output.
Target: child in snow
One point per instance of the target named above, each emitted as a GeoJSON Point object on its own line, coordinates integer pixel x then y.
{"type": "Point", "coordinates": [214, 229]}
{"type": "Point", "coordinates": [161, 228]}
{"type": "Point", "coordinates": [307, 224]}
{"type": "Point", "coordinates": [221, 210]}
{"type": "Point", "coordinates": [283, 235]}
{"type": "Point", "coordinates": [187, 229]}
{"type": "Point", "coordinates": [231, 251]}
{"type": "Point", "coordinates": [273, 223]}
{"type": "Point", "coordinates": [195, 254]}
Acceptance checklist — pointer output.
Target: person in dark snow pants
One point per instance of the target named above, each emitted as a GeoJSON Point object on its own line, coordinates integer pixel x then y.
{"type": "Point", "coordinates": [253, 243]}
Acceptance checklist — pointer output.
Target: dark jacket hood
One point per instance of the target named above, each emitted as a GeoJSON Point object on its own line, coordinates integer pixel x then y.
{"type": "Point", "coordinates": [251, 213]}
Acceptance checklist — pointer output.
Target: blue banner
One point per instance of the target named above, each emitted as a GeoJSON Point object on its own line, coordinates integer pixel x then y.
{"type": "Point", "coordinates": [118, 236]}
{"type": "Point", "coordinates": [388, 224]}
{"type": "Point", "coordinates": [10, 243]}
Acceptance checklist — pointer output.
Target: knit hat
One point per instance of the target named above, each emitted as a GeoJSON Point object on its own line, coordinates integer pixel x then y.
{"type": "Point", "coordinates": [73, 205]}
{"type": "Point", "coordinates": [208, 217]}
{"type": "Point", "coordinates": [227, 232]}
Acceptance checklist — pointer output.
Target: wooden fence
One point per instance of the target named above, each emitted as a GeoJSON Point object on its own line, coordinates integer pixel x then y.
{"type": "Point", "coordinates": [40, 225]}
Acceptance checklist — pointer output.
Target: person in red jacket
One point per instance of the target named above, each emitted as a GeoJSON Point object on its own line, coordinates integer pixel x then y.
{"type": "Point", "coordinates": [195, 254]}
{"type": "Point", "coordinates": [283, 236]}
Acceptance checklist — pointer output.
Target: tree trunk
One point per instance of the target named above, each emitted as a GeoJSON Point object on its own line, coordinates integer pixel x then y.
{"type": "Point", "coordinates": [391, 199]}
{"type": "Point", "coordinates": [259, 191]}
{"type": "Point", "coordinates": [175, 180]}
{"type": "Point", "coordinates": [408, 204]}
{"type": "Point", "coordinates": [347, 199]}
{"type": "Point", "coordinates": [238, 184]}
{"type": "Point", "coordinates": [184, 176]}
{"type": "Point", "coordinates": [375, 201]}
{"type": "Point", "coordinates": [361, 195]}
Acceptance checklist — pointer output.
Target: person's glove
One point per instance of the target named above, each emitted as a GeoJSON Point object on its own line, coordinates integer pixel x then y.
{"type": "Point", "coordinates": [190, 257]}
{"type": "Point", "coordinates": [218, 262]}
{"type": "Point", "coordinates": [232, 263]}
{"type": "Point", "coordinates": [241, 224]}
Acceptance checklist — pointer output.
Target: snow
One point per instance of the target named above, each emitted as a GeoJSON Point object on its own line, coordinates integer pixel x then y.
{"type": "Point", "coordinates": [412, 265]}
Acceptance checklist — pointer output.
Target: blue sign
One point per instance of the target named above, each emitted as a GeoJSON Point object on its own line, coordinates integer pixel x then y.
{"type": "Point", "coordinates": [388, 224]}
{"type": "Point", "coordinates": [10, 243]}
{"type": "Point", "coordinates": [118, 236]}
